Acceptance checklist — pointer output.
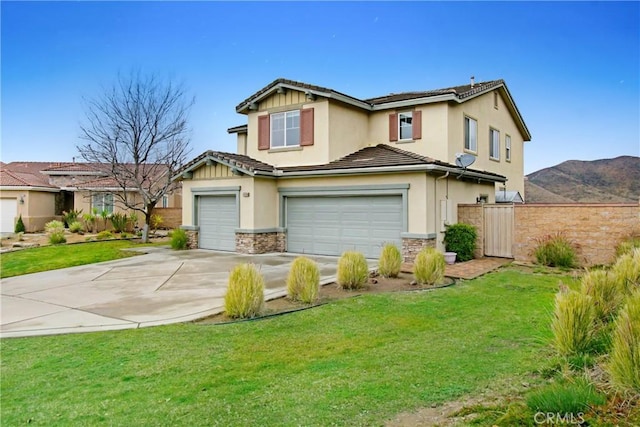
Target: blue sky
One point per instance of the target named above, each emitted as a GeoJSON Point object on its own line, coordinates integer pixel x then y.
{"type": "Point", "coordinates": [572, 68]}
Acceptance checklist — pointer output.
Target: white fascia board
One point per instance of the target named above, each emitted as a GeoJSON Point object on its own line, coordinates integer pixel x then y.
{"type": "Point", "coordinates": [391, 169]}
{"type": "Point", "coordinates": [416, 101]}
{"type": "Point", "coordinates": [28, 188]}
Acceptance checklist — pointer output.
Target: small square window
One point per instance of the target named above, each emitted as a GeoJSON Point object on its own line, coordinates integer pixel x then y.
{"type": "Point", "coordinates": [405, 125]}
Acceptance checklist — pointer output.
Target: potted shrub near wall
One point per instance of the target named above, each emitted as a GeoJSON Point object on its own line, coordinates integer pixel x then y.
{"type": "Point", "coordinates": [461, 239]}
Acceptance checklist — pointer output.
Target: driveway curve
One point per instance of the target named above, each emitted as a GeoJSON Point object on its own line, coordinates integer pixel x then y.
{"type": "Point", "coordinates": [160, 287]}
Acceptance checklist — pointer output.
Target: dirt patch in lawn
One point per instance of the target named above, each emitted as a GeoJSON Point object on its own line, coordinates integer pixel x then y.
{"type": "Point", "coordinates": [332, 292]}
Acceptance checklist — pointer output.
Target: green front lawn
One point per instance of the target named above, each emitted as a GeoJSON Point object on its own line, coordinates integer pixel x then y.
{"type": "Point", "coordinates": [359, 361]}
{"type": "Point", "coordinates": [61, 256]}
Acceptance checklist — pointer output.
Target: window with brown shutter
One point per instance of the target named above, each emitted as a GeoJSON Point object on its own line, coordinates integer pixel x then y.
{"type": "Point", "coordinates": [417, 124]}
{"type": "Point", "coordinates": [306, 127]}
{"type": "Point", "coordinates": [263, 132]}
{"type": "Point", "coordinates": [393, 127]}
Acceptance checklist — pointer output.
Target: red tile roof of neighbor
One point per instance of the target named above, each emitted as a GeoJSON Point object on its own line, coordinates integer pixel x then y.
{"type": "Point", "coordinates": [24, 174]}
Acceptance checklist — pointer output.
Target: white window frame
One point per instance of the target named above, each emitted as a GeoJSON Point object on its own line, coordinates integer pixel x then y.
{"type": "Point", "coordinates": [507, 148]}
{"type": "Point", "coordinates": [468, 146]}
{"type": "Point", "coordinates": [288, 132]}
{"type": "Point", "coordinates": [102, 201]}
{"type": "Point", "coordinates": [165, 201]}
{"type": "Point", "coordinates": [494, 144]}
{"type": "Point", "coordinates": [409, 127]}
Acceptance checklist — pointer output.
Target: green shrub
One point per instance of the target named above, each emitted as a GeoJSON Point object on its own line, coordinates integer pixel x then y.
{"type": "Point", "coordinates": [104, 235]}
{"type": "Point", "coordinates": [573, 323]}
{"type": "Point", "coordinates": [303, 282]}
{"type": "Point", "coordinates": [19, 228]}
{"type": "Point", "coordinates": [54, 227]}
{"type": "Point", "coordinates": [627, 246]}
{"type": "Point", "coordinates": [156, 221]}
{"type": "Point", "coordinates": [353, 270]}
{"type": "Point", "coordinates": [133, 220]}
{"type": "Point", "coordinates": [390, 261]}
{"type": "Point", "coordinates": [75, 227]}
{"type": "Point", "coordinates": [602, 286]}
{"type": "Point", "coordinates": [567, 397]}
{"type": "Point", "coordinates": [624, 359]}
{"type": "Point", "coordinates": [71, 216]}
{"type": "Point", "coordinates": [555, 250]}
{"type": "Point", "coordinates": [57, 237]}
{"type": "Point", "coordinates": [627, 271]}
{"type": "Point", "coordinates": [245, 292]}
{"type": "Point", "coordinates": [89, 220]}
{"type": "Point", "coordinates": [461, 239]}
{"type": "Point", "coordinates": [179, 239]}
{"type": "Point", "coordinates": [119, 221]}
{"type": "Point", "coordinates": [429, 267]}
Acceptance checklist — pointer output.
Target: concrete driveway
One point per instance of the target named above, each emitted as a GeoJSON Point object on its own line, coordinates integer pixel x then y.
{"type": "Point", "coordinates": [160, 287]}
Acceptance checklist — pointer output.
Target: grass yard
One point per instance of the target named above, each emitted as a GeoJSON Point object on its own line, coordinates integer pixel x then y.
{"type": "Point", "coordinates": [61, 256]}
{"type": "Point", "coordinates": [359, 361]}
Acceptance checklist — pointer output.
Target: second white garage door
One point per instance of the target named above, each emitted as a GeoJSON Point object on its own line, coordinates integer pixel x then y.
{"type": "Point", "coordinates": [332, 225]}
{"type": "Point", "coordinates": [8, 209]}
{"type": "Point", "coordinates": [218, 220]}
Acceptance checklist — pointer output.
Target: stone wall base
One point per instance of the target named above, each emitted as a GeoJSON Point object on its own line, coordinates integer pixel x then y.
{"type": "Point", "coordinates": [260, 243]}
{"type": "Point", "coordinates": [412, 246]}
{"type": "Point", "coordinates": [192, 239]}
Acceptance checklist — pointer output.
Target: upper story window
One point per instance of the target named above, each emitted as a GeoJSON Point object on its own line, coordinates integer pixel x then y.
{"type": "Point", "coordinates": [507, 148]}
{"type": "Point", "coordinates": [286, 129]}
{"type": "Point", "coordinates": [405, 126]}
{"type": "Point", "coordinates": [470, 134]}
{"type": "Point", "coordinates": [494, 144]}
{"type": "Point", "coordinates": [102, 202]}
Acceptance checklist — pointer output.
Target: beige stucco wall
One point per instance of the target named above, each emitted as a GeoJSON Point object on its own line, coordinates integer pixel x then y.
{"type": "Point", "coordinates": [482, 109]}
{"type": "Point", "coordinates": [317, 153]}
{"type": "Point", "coordinates": [348, 130]}
{"type": "Point", "coordinates": [38, 207]}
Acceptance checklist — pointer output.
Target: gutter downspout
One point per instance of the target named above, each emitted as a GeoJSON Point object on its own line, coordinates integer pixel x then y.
{"type": "Point", "coordinates": [436, 201]}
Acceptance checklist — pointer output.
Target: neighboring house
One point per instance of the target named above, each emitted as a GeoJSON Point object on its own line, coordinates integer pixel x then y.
{"type": "Point", "coordinates": [42, 191]}
{"type": "Point", "coordinates": [320, 172]}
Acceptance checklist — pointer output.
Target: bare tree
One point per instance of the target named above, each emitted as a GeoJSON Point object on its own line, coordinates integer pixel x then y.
{"type": "Point", "coordinates": [137, 133]}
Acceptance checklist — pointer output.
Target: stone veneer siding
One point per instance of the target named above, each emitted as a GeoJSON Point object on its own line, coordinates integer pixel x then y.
{"type": "Point", "coordinates": [192, 239]}
{"type": "Point", "coordinates": [412, 246]}
{"type": "Point", "coordinates": [596, 228]}
{"type": "Point", "coordinates": [260, 243]}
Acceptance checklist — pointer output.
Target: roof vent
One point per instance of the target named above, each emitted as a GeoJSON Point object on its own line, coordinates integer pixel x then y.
{"type": "Point", "coordinates": [473, 81]}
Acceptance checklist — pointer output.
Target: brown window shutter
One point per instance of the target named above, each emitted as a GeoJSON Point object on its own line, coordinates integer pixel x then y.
{"type": "Point", "coordinates": [306, 127]}
{"type": "Point", "coordinates": [263, 132]}
{"type": "Point", "coordinates": [393, 127]}
{"type": "Point", "coordinates": [416, 124]}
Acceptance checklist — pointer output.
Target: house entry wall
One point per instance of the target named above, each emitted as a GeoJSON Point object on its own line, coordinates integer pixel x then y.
{"type": "Point", "coordinates": [332, 225]}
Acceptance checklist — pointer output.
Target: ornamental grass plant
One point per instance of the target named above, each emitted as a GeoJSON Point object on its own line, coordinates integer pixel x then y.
{"type": "Point", "coordinates": [303, 281]}
{"type": "Point", "coordinates": [624, 358]}
{"type": "Point", "coordinates": [245, 292]}
{"type": "Point", "coordinates": [429, 267]}
{"type": "Point", "coordinates": [390, 261]}
{"type": "Point", "coordinates": [353, 270]}
{"type": "Point", "coordinates": [573, 323]}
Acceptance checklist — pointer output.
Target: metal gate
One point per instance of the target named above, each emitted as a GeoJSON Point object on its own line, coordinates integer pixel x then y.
{"type": "Point", "coordinates": [498, 230]}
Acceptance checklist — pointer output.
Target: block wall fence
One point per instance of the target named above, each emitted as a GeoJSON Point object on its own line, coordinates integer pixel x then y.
{"type": "Point", "coordinates": [596, 228]}
{"type": "Point", "coordinates": [171, 217]}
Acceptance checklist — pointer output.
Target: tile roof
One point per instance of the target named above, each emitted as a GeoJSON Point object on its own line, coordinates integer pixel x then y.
{"type": "Point", "coordinates": [461, 92]}
{"type": "Point", "coordinates": [24, 174]}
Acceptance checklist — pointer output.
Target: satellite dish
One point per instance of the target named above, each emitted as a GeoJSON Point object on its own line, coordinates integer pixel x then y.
{"type": "Point", "coordinates": [465, 160]}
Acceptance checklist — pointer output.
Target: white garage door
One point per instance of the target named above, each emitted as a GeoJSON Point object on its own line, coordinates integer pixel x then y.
{"type": "Point", "coordinates": [218, 220]}
{"type": "Point", "coordinates": [8, 211]}
{"type": "Point", "coordinates": [332, 225]}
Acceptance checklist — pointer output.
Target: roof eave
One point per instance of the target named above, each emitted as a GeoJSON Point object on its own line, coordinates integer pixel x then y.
{"type": "Point", "coordinates": [28, 188]}
{"type": "Point", "coordinates": [208, 158]}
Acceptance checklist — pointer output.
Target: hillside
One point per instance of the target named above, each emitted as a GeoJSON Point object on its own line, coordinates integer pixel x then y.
{"type": "Point", "coordinates": [598, 181]}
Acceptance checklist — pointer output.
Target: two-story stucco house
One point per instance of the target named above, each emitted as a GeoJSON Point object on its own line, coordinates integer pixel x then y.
{"type": "Point", "coordinates": [320, 172]}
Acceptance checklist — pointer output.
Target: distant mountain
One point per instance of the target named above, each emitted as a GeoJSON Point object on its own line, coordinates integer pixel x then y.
{"type": "Point", "coordinates": [598, 181]}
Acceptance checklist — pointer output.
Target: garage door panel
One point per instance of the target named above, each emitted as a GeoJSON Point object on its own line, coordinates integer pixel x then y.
{"type": "Point", "coordinates": [8, 212]}
{"type": "Point", "coordinates": [332, 225]}
{"type": "Point", "coordinates": [218, 220]}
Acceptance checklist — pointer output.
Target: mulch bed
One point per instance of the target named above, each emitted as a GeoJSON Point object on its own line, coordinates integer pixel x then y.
{"type": "Point", "coordinates": [332, 292]}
